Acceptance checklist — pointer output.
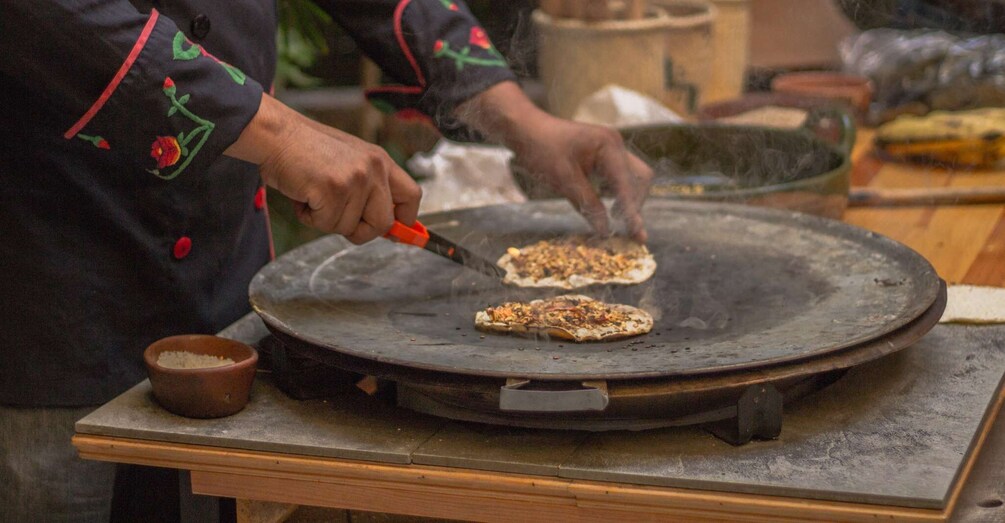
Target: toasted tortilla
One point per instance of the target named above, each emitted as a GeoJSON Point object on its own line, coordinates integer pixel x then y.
{"type": "Point", "coordinates": [938, 126]}
{"type": "Point", "coordinates": [975, 305]}
{"type": "Point", "coordinates": [591, 259]}
{"type": "Point", "coordinates": [571, 317]}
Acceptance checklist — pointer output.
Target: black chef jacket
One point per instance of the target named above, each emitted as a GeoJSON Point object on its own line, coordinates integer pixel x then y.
{"type": "Point", "coordinates": [121, 219]}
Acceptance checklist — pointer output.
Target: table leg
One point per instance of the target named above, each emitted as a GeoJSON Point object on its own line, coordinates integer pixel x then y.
{"type": "Point", "coordinates": [194, 508]}
{"type": "Point", "coordinates": [253, 511]}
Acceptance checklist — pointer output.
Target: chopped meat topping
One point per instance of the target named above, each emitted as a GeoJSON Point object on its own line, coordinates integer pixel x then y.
{"type": "Point", "coordinates": [563, 311]}
{"type": "Point", "coordinates": [566, 257]}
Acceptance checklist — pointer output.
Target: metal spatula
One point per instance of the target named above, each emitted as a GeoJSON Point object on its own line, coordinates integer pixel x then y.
{"type": "Point", "coordinates": [419, 236]}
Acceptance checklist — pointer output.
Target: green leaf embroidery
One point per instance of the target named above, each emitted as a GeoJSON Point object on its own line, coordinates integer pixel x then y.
{"type": "Point", "coordinates": [462, 57]}
{"type": "Point", "coordinates": [235, 74]}
{"type": "Point", "coordinates": [193, 51]}
{"type": "Point", "coordinates": [96, 141]}
{"type": "Point", "coordinates": [382, 105]}
{"type": "Point", "coordinates": [204, 128]}
{"type": "Point", "coordinates": [179, 50]}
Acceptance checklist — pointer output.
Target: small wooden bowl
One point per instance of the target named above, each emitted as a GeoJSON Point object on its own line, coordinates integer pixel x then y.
{"type": "Point", "coordinates": [856, 91]}
{"type": "Point", "coordinates": [205, 392]}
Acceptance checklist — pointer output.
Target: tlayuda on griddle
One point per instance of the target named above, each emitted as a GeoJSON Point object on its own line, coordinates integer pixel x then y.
{"type": "Point", "coordinates": [572, 317]}
{"type": "Point", "coordinates": [578, 261]}
{"type": "Point", "coordinates": [570, 263]}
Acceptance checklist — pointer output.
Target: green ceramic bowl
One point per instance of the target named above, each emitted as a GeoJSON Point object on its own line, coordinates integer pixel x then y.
{"type": "Point", "coordinates": [806, 169]}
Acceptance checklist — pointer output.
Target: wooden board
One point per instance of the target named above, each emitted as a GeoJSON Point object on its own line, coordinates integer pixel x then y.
{"type": "Point", "coordinates": [965, 243]}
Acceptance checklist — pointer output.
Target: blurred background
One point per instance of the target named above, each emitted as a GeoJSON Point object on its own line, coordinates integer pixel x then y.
{"type": "Point", "coordinates": [762, 64]}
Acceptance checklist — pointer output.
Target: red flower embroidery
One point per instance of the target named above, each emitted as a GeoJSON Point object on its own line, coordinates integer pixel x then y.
{"type": "Point", "coordinates": [453, 6]}
{"type": "Point", "coordinates": [168, 83]}
{"type": "Point", "coordinates": [96, 141]}
{"type": "Point", "coordinates": [479, 38]}
{"type": "Point", "coordinates": [166, 151]}
{"type": "Point", "coordinates": [438, 46]}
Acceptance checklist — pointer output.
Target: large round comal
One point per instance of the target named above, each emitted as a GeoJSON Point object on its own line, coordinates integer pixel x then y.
{"type": "Point", "coordinates": [738, 289]}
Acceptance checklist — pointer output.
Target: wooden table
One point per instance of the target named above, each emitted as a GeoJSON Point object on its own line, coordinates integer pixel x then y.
{"type": "Point", "coordinates": [966, 244]}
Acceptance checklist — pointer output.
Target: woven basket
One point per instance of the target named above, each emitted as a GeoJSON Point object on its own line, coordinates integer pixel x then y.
{"type": "Point", "coordinates": [689, 48]}
{"type": "Point", "coordinates": [577, 58]}
{"type": "Point", "coordinates": [732, 50]}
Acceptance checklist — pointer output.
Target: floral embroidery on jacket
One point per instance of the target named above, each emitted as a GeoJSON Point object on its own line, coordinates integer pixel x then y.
{"type": "Point", "coordinates": [169, 150]}
{"type": "Point", "coordinates": [462, 56]}
{"type": "Point", "coordinates": [166, 150]}
{"type": "Point", "coordinates": [96, 141]}
{"type": "Point", "coordinates": [194, 50]}
{"type": "Point", "coordinates": [479, 38]}
{"type": "Point", "coordinates": [450, 5]}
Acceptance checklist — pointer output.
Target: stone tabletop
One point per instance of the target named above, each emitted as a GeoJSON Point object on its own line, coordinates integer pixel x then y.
{"type": "Point", "coordinates": [896, 431]}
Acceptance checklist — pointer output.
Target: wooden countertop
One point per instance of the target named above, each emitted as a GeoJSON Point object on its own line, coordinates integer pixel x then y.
{"type": "Point", "coordinates": [965, 243]}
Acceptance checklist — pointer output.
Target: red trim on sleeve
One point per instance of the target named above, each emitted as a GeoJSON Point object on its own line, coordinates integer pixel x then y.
{"type": "Point", "coordinates": [403, 89]}
{"type": "Point", "coordinates": [400, 35]}
{"type": "Point", "coordinates": [268, 231]}
{"type": "Point", "coordinates": [110, 88]}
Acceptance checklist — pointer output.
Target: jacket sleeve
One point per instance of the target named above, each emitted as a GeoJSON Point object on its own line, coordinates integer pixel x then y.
{"type": "Point", "coordinates": [434, 50]}
{"type": "Point", "coordinates": [127, 81]}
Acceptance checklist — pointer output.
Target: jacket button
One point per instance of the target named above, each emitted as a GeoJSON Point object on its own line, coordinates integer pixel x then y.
{"type": "Point", "coordinates": [260, 198]}
{"type": "Point", "coordinates": [182, 247]}
{"type": "Point", "coordinates": [200, 27]}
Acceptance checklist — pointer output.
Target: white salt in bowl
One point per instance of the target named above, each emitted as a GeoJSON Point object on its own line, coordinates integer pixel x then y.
{"type": "Point", "coordinates": [201, 376]}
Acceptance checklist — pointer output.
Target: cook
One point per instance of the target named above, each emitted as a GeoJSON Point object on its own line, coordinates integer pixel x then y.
{"type": "Point", "coordinates": [139, 138]}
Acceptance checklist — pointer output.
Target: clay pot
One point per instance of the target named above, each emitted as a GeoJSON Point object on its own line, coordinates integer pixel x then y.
{"type": "Point", "coordinates": [855, 91]}
{"type": "Point", "coordinates": [577, 58]}
{"type": "Point", "coordinates": [207, 392]}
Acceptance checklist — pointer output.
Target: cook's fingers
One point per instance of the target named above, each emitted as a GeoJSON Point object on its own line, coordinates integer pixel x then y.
{"type": "Point", "coordinates": [578, 190]}
{"type": "Point", "coordinates": [322, 210]}
{"type": "Point", "coordinates": [614, 163]}
{"type": "Point", "coordinates": [303, 212]}
{"type": "Point", "coordinates": [406, 196]}
{"type": "Point", "coordinates": [364, 232]}
{"type": "Point", "coordinates": [378, 215]}
{"type": "Point", "coordinates": [643, 177]}
{"type": "Point", "coordinates": [352, 214]}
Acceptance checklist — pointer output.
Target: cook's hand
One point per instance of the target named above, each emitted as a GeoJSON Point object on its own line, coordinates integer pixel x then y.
{"type": "Point", "coordinates": [564, 155]}
{"type": "Point", "coordinates": [339, 183]}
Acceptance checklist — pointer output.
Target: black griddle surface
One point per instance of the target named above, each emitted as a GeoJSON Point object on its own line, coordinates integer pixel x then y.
{"type": "Point", "coordinates": [737, 288]}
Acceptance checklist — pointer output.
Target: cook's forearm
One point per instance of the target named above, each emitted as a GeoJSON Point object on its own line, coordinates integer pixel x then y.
{"type": "Point", "coordinates": [503, 113]}
{"type": "Point", "coordinates": [266, 133]}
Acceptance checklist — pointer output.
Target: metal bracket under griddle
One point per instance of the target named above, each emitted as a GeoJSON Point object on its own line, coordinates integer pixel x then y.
{"type": "Point", "coordinates": [758, 415]}
{"type": "Point", "coordinates": [516, 395]}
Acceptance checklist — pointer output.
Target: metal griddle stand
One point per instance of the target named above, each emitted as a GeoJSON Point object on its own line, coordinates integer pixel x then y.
{"type": "Point", "coordinates": [334, 319]}
{"type": "Point", "coordinates": [758, 411]}
{"type": "Point", "coordinates": [758, 415]}
{"type": "Point", "coordinates": [304, 371]}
